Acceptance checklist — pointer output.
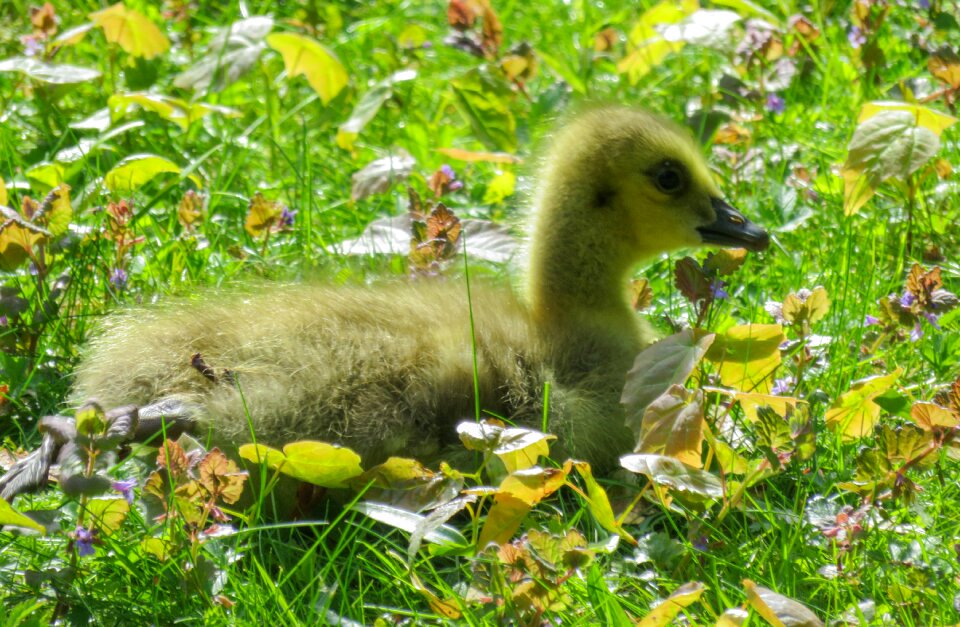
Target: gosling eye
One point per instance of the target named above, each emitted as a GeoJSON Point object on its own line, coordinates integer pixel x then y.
{"type": "Point", "coordinates": [669, 178]}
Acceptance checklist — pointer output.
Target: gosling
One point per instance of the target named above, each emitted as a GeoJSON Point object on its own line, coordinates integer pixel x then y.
{"type": "Point", "coordinates": [389, 369]}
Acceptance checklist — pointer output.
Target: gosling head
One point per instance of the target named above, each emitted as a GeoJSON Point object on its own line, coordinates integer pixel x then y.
{"type": "Point", "coordinates": [647, 174]}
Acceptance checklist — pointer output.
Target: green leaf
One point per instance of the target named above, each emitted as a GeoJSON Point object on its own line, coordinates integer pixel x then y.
{"type": "Point", "coordinates": [369, 105]}
{"type": "Point", "coordinates": [482, 101]}
{"type": "Point", "coordinates": [319, 463]}
{"type": "Point", "coordinates": [410, 521]}
{"type": "Point", "coordinates": [137, 170]}
{"type": "Point", "coordinates": [892, 140]}
{"type": "Point", "coordinates": [303, 55]}
{"type": "Point", "coordinates": [674, 474]}
{"type": "Point", "coordinates": [59, 74]}
{"type": "Point", "coordinates": [180, 112]}
{"type": "Point", "coordinates": [668, 362]}
{"type": "Point", "coordinates": [646, 47]}
{"type": "Point", "coordinates": [49, 174]}
{"type": "Point", "coordinates": [232, 52]}
{"type": "Point", "coordinates": [10, 516]}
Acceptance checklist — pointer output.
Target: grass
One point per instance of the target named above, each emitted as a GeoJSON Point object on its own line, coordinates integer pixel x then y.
{"type": "Point", "coordinates": [899, 552]}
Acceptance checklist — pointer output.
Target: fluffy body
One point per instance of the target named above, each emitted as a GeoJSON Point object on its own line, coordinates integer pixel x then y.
{"type": "Point", "coordinates": [388, 369]}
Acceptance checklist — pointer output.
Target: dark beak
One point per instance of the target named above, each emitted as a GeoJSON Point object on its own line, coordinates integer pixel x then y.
{"type": "Point", "coordinates": [732, 229]}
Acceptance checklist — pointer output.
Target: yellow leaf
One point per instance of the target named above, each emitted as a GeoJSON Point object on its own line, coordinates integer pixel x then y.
{"type": "Point", "coordinates": [777, 609]}
{"type": "Point", "coordinates": [520, 448]}
{"type": "Point", "coordinates": [108, 513]}
{"type": "Point", "coordinates": [10, 516]}
{"type": "Point", "coordinates": [857, 190]}
{"type": "Point", "coordinates": [599, 503]}
{"type": "Point", "coordinates": [61, 211]}
{"type": "Point", "coordinates": [750, 402]}
{"type": "Point", "coordinates": [136, 171]}
{"type": "Point", "coordinates": [262, 214]}
{"type": "Point", "coordinates": [302, 55]}
{"type": "Point", "coordinates": [469, 155]}
{"type": "Point", "coordinates": [16, 244]}
{"type": "Point", "coordinates": [854, 414]}
{"type": "Point", "coordinates": [319, 463]}
{"type": "Point", "coordinates": [131, 30]}
{"type": "Point", "coordinates": [3, 193]}
{"type": "Point", "coordinates": [748, 355]}
{"type": "Point", "coordinates": [665, 613]}
{"type": "Point", "coordinates": [517, 494]}
{"type": "Point", "coordinates": [501, 186]}
{"type": "Point", "coordinates": [673, 426]}
{"type": "Point", "coordinates": [929, 416]}
{"type": "Point", "coordinates": [925, 117]}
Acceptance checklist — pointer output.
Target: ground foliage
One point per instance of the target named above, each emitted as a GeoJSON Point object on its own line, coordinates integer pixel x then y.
{"type": "Point", "coordinates": [796, 427]}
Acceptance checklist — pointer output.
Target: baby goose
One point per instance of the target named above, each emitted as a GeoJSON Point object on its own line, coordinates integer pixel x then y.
{"type": "Point", "coordinates": [388, 369]}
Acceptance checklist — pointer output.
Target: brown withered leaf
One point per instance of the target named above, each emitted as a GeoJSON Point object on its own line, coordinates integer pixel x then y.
{"type": "Point", "coordinates": [954, 397]}
{"type": "Point", "coordinates": [492, 34]}
{"type": "Point", "coordinates": [641, 295]}
{"type": "Point", "coordinates": [691, 280]}
{"type": "Point", "coordinates": [605, 39]}
{"type": "Point", "coordinates": [732, 134]}
{"type": "Point", "coordinates": [172, 458]}
{"type": "Point", "coordinates": [461, 14]}
{"type": "Point", "coordinates": [944, 64]}
{"type": "Point", "coordinates": [44, 19]}
{"type": "Point", "coordinates": [922, 284]}
{"type": "Point", "coordinates": [221, 477]}
{"type": "Point", "coordinates": [189, 211]}
{"type": "Point", "coordinates": [443, 225]}
{"type": "Point", "coordinates": [943, 168]}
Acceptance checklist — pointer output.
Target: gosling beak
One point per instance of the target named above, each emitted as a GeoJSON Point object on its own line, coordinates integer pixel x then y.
{"type": "Point", "coordinates": [732, 229]}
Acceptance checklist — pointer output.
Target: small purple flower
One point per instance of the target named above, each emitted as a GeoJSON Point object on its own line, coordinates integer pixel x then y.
{"type": "Point", "coordinates": [907, 299]}
{"type": "Point", "coordinates": [118, 278]}
{"type": "Point", "coordinates": [84, 542]}
{"type": "Point", "coordinates": [775, 309]}
{"type": "Point", "coordinates": [4, 321]}
{"type": "Point", "coordinates": [917, 333]}
{"type": "Point", "coordinates": [32, 45]}
{"type": "Point", "coordinates": [125, 487]}
{"type": "Point", "coordinates": [452, 183]}
{"type": "Point", "coordinates": [782, 386]}
{"type": "Point", "coordinates": [856, 37]}
{"type": "Point", "coordinates": [776, 104]}
{"type": "Point", "coordinates": [933, 319]}
{"type": "Point", "coordinates": [716, 289]}
{"type": "Point", "coordinates": [287, 217]}
{"type": "Point", "coordinates": [870, 321]}
{"type": "Point", "coordinates": [924, 4]}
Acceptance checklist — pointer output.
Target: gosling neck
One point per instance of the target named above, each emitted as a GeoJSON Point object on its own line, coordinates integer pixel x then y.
{"type": "Point", "coordinates": [578, 270]}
